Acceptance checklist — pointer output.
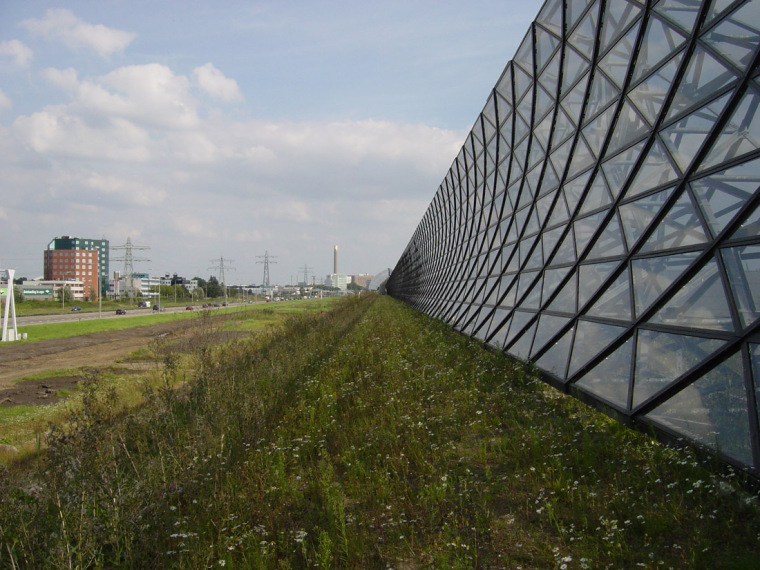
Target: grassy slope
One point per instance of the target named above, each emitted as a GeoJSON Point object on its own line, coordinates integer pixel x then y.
{"type": "Point", "coordinates": [367, 437]}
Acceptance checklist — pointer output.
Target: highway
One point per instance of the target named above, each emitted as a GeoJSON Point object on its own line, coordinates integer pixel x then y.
{"type": "Point", "coordinates": [109, 314]}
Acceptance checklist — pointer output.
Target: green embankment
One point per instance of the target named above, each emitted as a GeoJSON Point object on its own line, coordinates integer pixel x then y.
{"type": "Point", "coordinates": [365, 437]}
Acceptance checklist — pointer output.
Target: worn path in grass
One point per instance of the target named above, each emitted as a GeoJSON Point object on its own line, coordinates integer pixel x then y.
{"type": "Point", "coordinates": [19, 360]}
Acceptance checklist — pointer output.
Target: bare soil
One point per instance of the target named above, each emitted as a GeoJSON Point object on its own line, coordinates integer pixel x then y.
{"type": "Point", "coordinates": [18, 361]}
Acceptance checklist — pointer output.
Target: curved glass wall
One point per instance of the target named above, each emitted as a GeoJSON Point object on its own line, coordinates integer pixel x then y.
{"type": "Point", "coordinates": [602, 218]}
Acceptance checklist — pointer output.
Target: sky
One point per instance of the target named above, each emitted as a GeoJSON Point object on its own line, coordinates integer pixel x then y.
{"type": "Point", "coordinates": [211, 131]}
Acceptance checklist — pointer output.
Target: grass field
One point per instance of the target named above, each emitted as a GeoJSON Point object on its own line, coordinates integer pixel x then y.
{"type": "Point", "coordinates": [368, 436]}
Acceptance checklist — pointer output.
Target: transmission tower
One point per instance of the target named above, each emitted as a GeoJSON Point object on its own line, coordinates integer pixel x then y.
{"type": "Point", "coordinates": [129, 264]}
{"type": "Point", "coordinates": [306, 270]}
{"type": "Point", "coordinates": [267, 260]}
{"type": "Point", "coordinates": [220, 266]}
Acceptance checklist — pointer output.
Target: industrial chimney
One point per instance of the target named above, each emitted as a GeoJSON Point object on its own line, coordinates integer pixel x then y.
{"type": "Point", "coordinates": [335, 261]}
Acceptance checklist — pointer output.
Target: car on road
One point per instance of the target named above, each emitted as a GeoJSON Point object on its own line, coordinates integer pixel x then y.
{"type": "Point", "coordinates": [189, 308]}
{"type": "Point", "coordinates": [121, 311]}
{"type": "Point", "coordinates": [76, 309]}
{"type": "Point", "coordinates": [156, 308]}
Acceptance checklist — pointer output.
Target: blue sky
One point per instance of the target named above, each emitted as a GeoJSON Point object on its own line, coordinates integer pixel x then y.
{"type": "Point", "coordinates": [233, 128]}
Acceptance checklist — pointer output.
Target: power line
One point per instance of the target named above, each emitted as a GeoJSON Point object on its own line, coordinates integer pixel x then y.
{"type": "Point", "coordinates": [267, 260]}
{"type": "Point", "coordinates": [220, 266]}
{"type": "Point", "coordinates": [129, 260]}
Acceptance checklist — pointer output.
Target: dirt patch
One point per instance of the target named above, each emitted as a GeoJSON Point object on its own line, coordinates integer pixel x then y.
{"type": "Point", "coordinates": [97, 350]}
{"type": "Point", "coordinates": [38, 392]}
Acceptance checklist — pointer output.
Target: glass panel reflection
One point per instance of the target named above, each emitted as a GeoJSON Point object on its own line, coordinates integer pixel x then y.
{"type": "Point", "coordinates": [712, 411]}
{"type": "Point", "coordinates": [610, 379]}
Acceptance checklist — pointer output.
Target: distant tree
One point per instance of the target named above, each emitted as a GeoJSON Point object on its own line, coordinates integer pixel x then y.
{"type": "Point", "coordinates": [20, 280]}
{"type": "Point", "coordinates": [355, 287]}
{"type": "Point", "coordinates": [18, 294]}
{"type": "Point", "coordinates": [64, 294]}
{"type": "Point", "coordinates": [213, 288]}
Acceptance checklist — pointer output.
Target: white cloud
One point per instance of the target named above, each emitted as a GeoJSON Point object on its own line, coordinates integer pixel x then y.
{"type": "Point", "coordinates": [60, 25]}
{"type": "Point", "coordinates": [21, 54]}
{"type": "Point", "coordinates": [129, 191]}
{"type": "Point", "coordinates": [65, 79]}
{"type": "Point", "coordinates": [5, 103]}
{"type": "Point", "coordinates": [213, 82]}
{"type": "Point", "coordinates": [56, 133]}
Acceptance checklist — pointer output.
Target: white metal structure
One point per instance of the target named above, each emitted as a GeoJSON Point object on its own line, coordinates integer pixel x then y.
{"type": "Point", "coordinates": [10, 305]}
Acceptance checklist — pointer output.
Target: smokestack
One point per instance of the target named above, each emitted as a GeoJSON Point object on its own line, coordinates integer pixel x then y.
{"type": "Point", "coordinates": [335, 261]}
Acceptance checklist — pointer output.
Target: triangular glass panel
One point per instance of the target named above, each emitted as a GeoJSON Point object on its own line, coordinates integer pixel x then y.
{"type": "Point", "coordinates": [550, 239]}
{"type": "Point", "coordinates": [555, 359]}
{"type": "Point", "coordinates": [521, 129]}
{"type": "Point", "coordinates": [656, 170]}
{"type": "Point", "coordinates": [722, 195]}
{"type": "Point", "coordinates": [684, 138]}
{"type": "Point", "coordinates": [575, 188]}
{"type": "Point", "coordinates": [524, 55]}
{"type": "Point", "coordinates": [618, 168]}
{"type": "Point", "coordinates": [563, 128]}
{"type": "Point", "coordinates": [661, 358]}
{"type": "Point", "coordinates": [525, 282]}
{"type": "Point", "coordinates": [603, 92]}
{"type": "Point", "coordinates": [509, 299]}
{"type": "Point", "coordinates": [652, 275]}
{"type": "Point", "coordinates": [617, 17]}
{"type": "Point", "coordinates": [595, 132]}
{"type": "Point", "coordinates": [750, 227]}
{"type": "Point", "coordinates": [583, 37]}
{"type": "Point", "coordinates": [615, 302]}
{"type": "Point", "coordinates": [545, 45]}
{"type": "Point", "coordinates": [566, 300]}
{"type": "Point", "coordinates": [754, 356]}
{"type": "Point", "coordinates": [649, 96]}
{"type": "Point", "coordinates": [504, 109]}
{"type": "Point", "coordinates": [550, 16]}
{"type": "Point", "coordinates": [574, 66]}
{"type": "Point", "coordinates": [574, 11]}
{"type": "Point", "coordinates": [592, 276]}
{"type": "Point", "coordinates": [681, 13]}
{"type": "Point", "coordinates": [712, 411]}
{"type": "Point", "coordinates": [521, 348]}
{"type": "Point", "coordinates": [560, 213]}
{"type": "Point", "coordinates": [597, 196]}
{"type": "Point", "coordinates": [680, 227]}
{"type": "Point", "coordinates": [660, 41]}
{"type": "Point", "coordinates": [504, 89]}
{"type": "Point", "coordinates": [629, 127]}
{"type": "Point", "coordinates": [552, 279]}
{"type": "Point", "coordinates": [544, 102]}
{"type": "Point", "coordinates": [585, 228]}
{"type": "Point", "coordinates": [615, 63]}
{"type": "Point", "coordinates": [480, 331]}
{"type": "Point", "coordinates": [610, 241]}
{"type": "Point", "coordinates": [582, 158]}
{"type": "Point", "coordinates": [536, 156]}
{"type": "Point", "coordinates": [548, 326]}
{"type": "Point", "coordinates": [572, 104]}
{"type": "Point", "coordinates": [499, 334]}
{"type": "Point", "coordinates": [549, 78]}
{"type": "Point", "coordinates": [522, 82]}
{"type": "Point", "coordinates": [743, 268]}
{"type": "Point", "coordinates": [610, 379]}
{"type": "Point", "coordinates": [550, 181]}
{"type": "Point", "coordinates": [740, 135]}
{"type": "Point", "coordinates": [559, 157]}
{"type": "Point", "coordinates": [533, 299]}
{"type": "Point", "coordinates": [636, 216]}
{"type": "Point", "coordinates": [543, 131]}
{"type": "Point", "coordinates": [566, 250]}
{"type": "Point", "coordinates": [704, 77]}
{"type": "Point", "coordinates": [700, 303]}
{"type": "Point", "coordinates": [590, 339]}
{"type": "Point", "coordinates": [542, 207]}
{"type": "Point", "coordinates": [519, 321]}
{"type": "Point", "coordinates": [497, 320]}
{"type": "Point", "coordinates": [734, 39]}
{"type": "Point", "coordinates": [716, 9]}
